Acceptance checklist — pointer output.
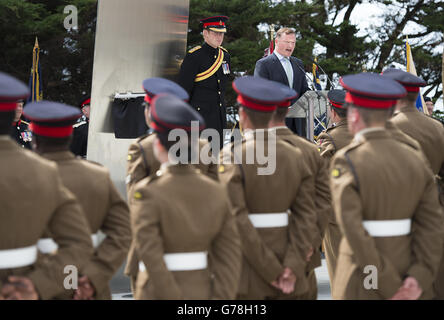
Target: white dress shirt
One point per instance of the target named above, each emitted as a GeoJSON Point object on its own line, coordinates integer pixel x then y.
{"type": "Point", "coordinates": [286, 64]}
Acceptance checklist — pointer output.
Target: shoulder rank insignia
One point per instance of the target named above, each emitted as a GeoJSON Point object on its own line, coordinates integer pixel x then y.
{"type": "Point", "coordinates": [194, 49]}
{"type": "Point", "coordinates": [137, 195]}
{"type": "Point", "coordinates": [335, 173]}
{"type": "Point", "coordinates": [221, 168]}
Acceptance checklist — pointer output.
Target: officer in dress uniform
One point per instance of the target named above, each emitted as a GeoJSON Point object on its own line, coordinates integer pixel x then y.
{"type": "Point", "coordinates": [391, 245]}
{"type": "Point", "coordinates": [204, 75]}
{"type": "Point", "coordinates": [79, 144]}
{"type": "Point", "coordinates": [319, 167]}
{"type": "Point", "coordinates": [188, 245]}
{"type": "Point", "coordinates": [426, 130]}
{"type": "Point", "coordinates": [34, 200]}
{"type": "Point", "coordinates": [141, 160]}
{"type": "Point", "coordinates": [105, 210]}
{"type": "Point", "coordinates": [19, 129]}
{"type": "Point", "coordinates": [273, 205]}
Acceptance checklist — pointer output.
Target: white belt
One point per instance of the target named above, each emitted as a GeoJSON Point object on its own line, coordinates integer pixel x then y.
{"type": "Point", "coordinates": [47, 245]}
{"type": "Point", "coordinates": [17, 258]}
{"type": "Point", "coordinates": [388, 228]}
{"type": "Point", "coordinates": [269, 220]}
{"type": "Point", "coordinates": [184, 261]}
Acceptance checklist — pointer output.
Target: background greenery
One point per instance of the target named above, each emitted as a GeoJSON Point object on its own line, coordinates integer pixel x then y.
{"type": "Point", "coordinates": [67, 57]}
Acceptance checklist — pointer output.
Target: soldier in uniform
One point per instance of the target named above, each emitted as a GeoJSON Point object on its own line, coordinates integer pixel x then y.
{"type": "Point", "coordinates": [188, 245]}
{"type": "Point", "coordinates": [337, 136]}
{"type": "Point", "coordinates": [105, 210]}
{"type": "Point", "coordinates": [274, 209]}
{"type": "Point", "coordinates": [33, 200]}
{"type": "Point", "coordinates": [319, 167]}
{"type": "Point", "coordinates": [79, 144]}
{"type": "Point", "coordinates": [19, 130]}
{"type": "Point", "coordinates": [426, 130]}
{"type": "Point", "coordinates": [204, 75]}
{"type": "Point", "coordinates": [141, 160]}
{"type": "Point", "coordinates": [330, 141]}
{"type": "Point", "coordinates": [391, 245]}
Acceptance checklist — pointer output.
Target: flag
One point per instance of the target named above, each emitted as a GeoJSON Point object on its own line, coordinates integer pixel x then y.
{"type": "Point", "coordinates": [420, 104]}
{"type": "Point", "coordinates": [315, 71]}
{"type": "Point", "coordinates": [35, 86]}
{"type": "Point", "coordinates": [270, 48]}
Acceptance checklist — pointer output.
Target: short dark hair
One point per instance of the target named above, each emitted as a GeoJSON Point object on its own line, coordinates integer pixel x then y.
{"type": "Point", "coordinates": [259, 120]}
{"type": "Point", "coordinates": [371, 116]}
{"type": "Point", "coordinates": [6, 120]}
{"type": "Point", "coordinates": [341, 112]}
{"type": "Point", "coordinates": [54, 144]}
{"type": "Point", "coordinates": [427, 99]}
{"type": "Point", "coordinates": [280, 114]}
{"type": "Point", "coordinates": [163, 138]}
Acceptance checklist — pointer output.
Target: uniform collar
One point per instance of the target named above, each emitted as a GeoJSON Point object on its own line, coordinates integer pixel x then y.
{"type": "Point", "coordinates": [209, 48]}
{"type": "Point", "coordinates": [281, 130]}
{"type": "Point", "coordinates": [341, 123]}
{"type": "Point", "coordinates": [280, 57]}
{"type": "Point", "coordinates": [369, 133]}
{"type": "Point", "coordinates": [176, 168]}
{"type": "Point", "coordinates": [59, 156]}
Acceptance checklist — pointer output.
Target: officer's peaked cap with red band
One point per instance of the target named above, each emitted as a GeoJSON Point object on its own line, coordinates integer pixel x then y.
{"type": "Point", "coordinates": [336, 98]}
{"type": "Point", "coordinates": [410, 82]}
{"type": "Point", "coordinates": [12, 91]}
{"type": "Point", "coordinates": [262, 95]}
{"type": "Point", "coordinates": [51, 119]}
{"type": "Point", "coordinates": [371, 90]}
{"type": "Point", "coordinates": [155, 86]}
{"type": "Point", "coordinates": [168, 112]}
{"type": "Point", "coordinates": [216, 23]}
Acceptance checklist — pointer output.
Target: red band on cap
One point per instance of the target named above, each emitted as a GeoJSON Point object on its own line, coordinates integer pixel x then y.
{"type": "Point", "coordinates": [210, 24]}
{"type": "Point", "coordinates": [369, 103]}
{"type": "Point", "coordinates": [336, 105]}
{"type": "Point", "coordinates": [147, 98]}
{"type": "Point", "coordinates": [255, 106]}
{"type": "Point", "coordinates": [88, 101]}
{"type": "Point", "coordinates": [411, 89]}
{"type": "Point", "coordinates": [8, 106]}
{"type": "Point", "coordinates": [52, 132]}
{"type": "Point", "coordinates": [284, 104]}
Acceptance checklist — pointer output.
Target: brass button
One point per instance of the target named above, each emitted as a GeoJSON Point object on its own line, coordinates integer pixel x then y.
{"type": "Point", "coordinates": [220, 104]}
{"type": "Point", "coordinates": [215, 57]}
{"type": "Point", "coordinates": [219, 92]}
{"type": "Point", "coordinates": [218, 80]}
{"type": "Point", "coordinates": [198, 108]}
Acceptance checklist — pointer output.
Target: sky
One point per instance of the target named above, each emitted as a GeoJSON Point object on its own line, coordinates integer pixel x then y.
{"type": "Point", "coordinates": [365, 16]}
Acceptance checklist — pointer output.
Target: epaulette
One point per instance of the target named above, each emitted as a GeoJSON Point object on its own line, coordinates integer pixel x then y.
{"type": "Point", "coordinates": [79, 124]}
{"type": "Point", "coordinates": [146, 135]}
{"type": "Point", "coordinates": [194, 49]}
{"type": "Point", "coordinates": [223, 49]}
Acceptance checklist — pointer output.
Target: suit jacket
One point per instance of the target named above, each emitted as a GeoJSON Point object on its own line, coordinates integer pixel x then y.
{"type": "Point", "coordinates": [104, 209]}
{"type": "Point", "coordinates": [271, 68]}
{"type": "Point", "coordinates": [267, 251]}
{"type": "Point", "coordinates": [34, 200]}
{"type": "Point", "coordinates": [364, 177]}
{"type": "Point", "coordinates": [186, 222]}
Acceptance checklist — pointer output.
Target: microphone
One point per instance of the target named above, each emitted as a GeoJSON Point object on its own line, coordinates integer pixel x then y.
{"type": "Point", "coordinates": [331, 83]}
{"type": "Point", "coordinates": [308, 78]}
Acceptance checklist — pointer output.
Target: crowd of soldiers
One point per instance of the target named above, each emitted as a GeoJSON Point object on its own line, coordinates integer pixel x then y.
{"type": "Point", "coordinates": [367, 194]}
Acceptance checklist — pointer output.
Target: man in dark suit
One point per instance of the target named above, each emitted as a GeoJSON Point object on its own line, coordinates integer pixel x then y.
{"type": "Point", "coordinates": [282, 67]}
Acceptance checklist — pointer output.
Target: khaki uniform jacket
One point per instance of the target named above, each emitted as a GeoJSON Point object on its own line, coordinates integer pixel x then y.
{"type": "Point", "coordinates": [367, 185]}
{"type": "Point", "coordinates": [266, 251]}
{"type": "Point", "coordinates": [334, 139]}
{"type": "Point", "coordinates": [105, 210]}
{"type": "Point", "coordinates": [330, 141]}
{"type": "Point", "coordinates": [185, 222]}
{"type": "Point", "coordinates": [319, 167]}
{"type": "Point", "coordinates": [33, 200]}
{"type": "Point", "coordinates": [142, 162]}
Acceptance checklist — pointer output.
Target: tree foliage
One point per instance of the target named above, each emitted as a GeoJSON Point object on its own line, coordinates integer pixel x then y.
{"type": "Point", "coordinates": [325, 27]}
